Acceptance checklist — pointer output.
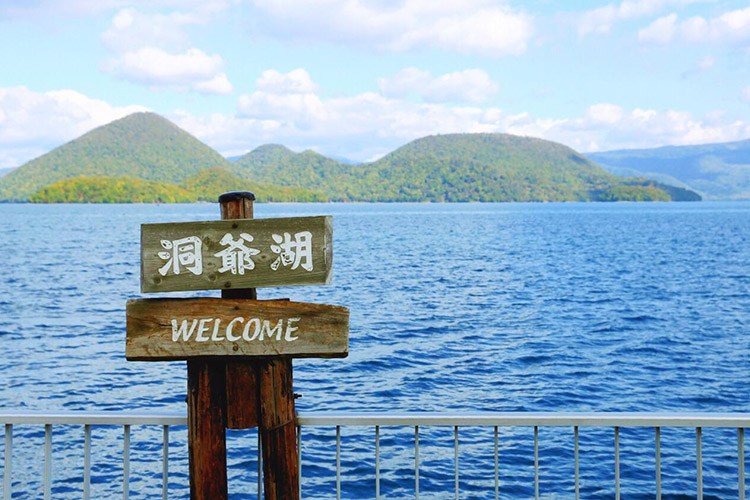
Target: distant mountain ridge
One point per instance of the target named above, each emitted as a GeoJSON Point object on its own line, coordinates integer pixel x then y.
{"type": "Point", "coordinates": [110, 161]}
{"type": "Point", "coordinates": [453, 167]}
{"type": "Point", "coordinates": [718, 171]}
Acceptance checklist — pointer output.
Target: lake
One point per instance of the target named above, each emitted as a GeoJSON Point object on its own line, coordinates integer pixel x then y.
{"type": "Point", "coordinates": [454, 307]}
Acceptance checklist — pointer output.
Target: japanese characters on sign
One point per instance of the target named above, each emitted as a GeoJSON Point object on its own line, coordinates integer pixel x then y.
{"type": "Point", "coordinates": [170, 329]}
{"type": "Point", "coordinates": [240, 253]}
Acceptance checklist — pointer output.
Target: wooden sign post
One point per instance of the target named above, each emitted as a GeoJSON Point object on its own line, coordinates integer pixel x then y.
{"type": "Point", "coordinates": [238, 349]}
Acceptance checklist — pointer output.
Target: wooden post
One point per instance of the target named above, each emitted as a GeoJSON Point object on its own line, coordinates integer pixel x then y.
{"type": "Point", "coordinates": [278, 429]}
{"type": "Point", "coordinates": [242, 375]}
{"type": "Point", "coordinates": [206, 436]}
{"type": "Point", "coordinates": [261, 393]}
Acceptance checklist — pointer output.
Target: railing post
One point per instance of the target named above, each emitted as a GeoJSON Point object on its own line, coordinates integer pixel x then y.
{"type": "Point", "coordinates": [47, 461]}
{"type": "Point", "coordinates": [699, 460]}
{"type": "Point", "coordinates": [86, 462]}
{"type": "Point", "coordinates": [8, 479]}
{"type": "Point", "coordinates": [126, 462]}
{"type": "Point", "coordinates": [741, 462]}
{"type": "Point", "coordinates": [165, 463]}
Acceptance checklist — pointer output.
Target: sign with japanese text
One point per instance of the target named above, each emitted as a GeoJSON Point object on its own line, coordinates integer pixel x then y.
{"type": "Point", "coordinates": [240, 253]}
{"type": "Point", "coordinates": [174, 329]}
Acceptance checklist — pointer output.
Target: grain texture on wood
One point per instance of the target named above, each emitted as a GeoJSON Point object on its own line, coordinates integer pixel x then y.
{"type": "Point", "coordinates": [172, 329]}
{"type": "Point", "coordinates": [242, 374]}
{"type": "Point", "coordinates": [277, 427]}
{"type": "Point", "coordinates": [206, 435]}
{"type": "Point", "coordinates": [241, 253]}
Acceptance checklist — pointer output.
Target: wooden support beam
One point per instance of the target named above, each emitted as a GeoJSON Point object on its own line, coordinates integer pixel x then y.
{"type": "Point", "coordinates": [206, 434]}
{"type": "Point", "coordinates": [269, 402]}
{"type": "Point", "coordinates": [242, 375]}
{"type": "Point", "coordinates": [278, 430]}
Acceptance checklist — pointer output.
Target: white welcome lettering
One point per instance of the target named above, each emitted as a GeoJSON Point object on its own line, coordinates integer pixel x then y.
{"type": "Point", "coordinates": [254, 329]}
{"type": "Point", "coordinates": [183, 331]}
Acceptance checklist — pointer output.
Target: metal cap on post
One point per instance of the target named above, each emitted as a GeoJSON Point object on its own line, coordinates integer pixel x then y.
{"type": "Point", "coordinates": [237, 205]}
{"type": "Point", "coordinates": [236, 195]}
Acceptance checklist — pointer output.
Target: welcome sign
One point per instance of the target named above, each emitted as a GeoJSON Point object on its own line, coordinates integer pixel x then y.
{"type": "Point", "coordinates": [174, 329]}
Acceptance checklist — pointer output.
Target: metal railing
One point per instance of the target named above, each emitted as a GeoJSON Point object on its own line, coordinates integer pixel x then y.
{"type": "Point", "coordinates": [495, 420]}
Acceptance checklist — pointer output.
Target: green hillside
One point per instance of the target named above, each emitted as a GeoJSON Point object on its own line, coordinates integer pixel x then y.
{"type": "Point", "coordinates": [455, 167]}
{"type": "Point", "coordinates": [104, 163]}
{"type": "Point", "coordinates": [111, 190]}
{"type": "Point", "coordinates": [276, 164]}
{"type": "Point", "coordinates": [208, 184]}
{"type": "Point", "coordinates": [141, 145]}
{"type": "Point", "coordinates": [719, 171]}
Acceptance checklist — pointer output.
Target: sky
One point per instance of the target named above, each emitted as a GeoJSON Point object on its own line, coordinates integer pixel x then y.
{"type": "Point", "coordinates": [358, 78]}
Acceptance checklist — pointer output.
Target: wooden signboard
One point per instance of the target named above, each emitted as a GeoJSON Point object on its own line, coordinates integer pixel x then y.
{"type": "Point", "coordinates": [239, 350]}
{"type": "Point", "coordinates": [174, 329]}
{"type": "Point", "coordinates": [231, 254]}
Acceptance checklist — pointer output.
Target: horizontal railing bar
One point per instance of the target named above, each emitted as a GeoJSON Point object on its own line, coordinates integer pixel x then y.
{"type": "Point", "coordinates": [531, 419]}
{"type": "Point", "coordinates": [410, 419]}
{"type": "Point", "coordinates": [93, 418]}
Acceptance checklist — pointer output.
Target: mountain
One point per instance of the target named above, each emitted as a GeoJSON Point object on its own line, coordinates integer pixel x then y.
{"type": "Point", "coordinates": [276, 164]}
{"type": "Point", "coordinates": [5, 171]}
{"type": "Point", "coordinates": [111, 190]}
{"type": "Point", "coordinates": [142, 145]}
{"type": "Point", "coordinates": [208, 184]}
{"type": "Point", "coordinates": [454, 167]}
{"type": "Point", "coordinates": [103, 165]}
{"type": "Point", "coordinates": [718, 171]}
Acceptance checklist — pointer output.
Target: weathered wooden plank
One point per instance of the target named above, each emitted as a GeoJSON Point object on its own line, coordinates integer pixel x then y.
{"type": "Point", "coordinates": [278, 429]}
{"type": "Point", "coordinates": [172, 329]}
{"type": "Point", "coordinates": [241, 253]}
{"type": "Point", "coordinates": [206, 422]}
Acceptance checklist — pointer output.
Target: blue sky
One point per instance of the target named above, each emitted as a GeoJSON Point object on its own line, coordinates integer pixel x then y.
{"type": "Point", "coordinates": [358, 78]}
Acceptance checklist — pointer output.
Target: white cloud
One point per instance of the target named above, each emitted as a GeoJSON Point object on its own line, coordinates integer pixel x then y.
{"type": "Point", "coordinates": [602, 19]}
{"type": "Point", "coordinates": [219, 85]}
{"type": "Point", "coordinates": [157, 68]}
{"type": "Point", "coordinates": [370, 124]}
{"type": "Point", "coordinates": [294, 82]}
{"type": "Point", "coordinates": [31, 123]}
{"type": "Point", "coordinates": [404, 82]}
{"type": "Point", "coordinates": [636, 128]}
{"type": "Point", "coordinates": [471, 85]}
{"type": "Point", "coordinates": [361, 126]}
{"type": "Point", "coordinates": [731, 27]}
{"type": "Point", "coordinates": [154, 49]}
{"type": "Point", "coordinates": [604, 113]}
{"type": "Point", "coordinates": [54, 9]}
{"type": "Point", "coordinates": [660, 31]}
{"type": "Point", "coordinates": [131, 30]}
{"type": "Point", "coordinates": [470, 26]}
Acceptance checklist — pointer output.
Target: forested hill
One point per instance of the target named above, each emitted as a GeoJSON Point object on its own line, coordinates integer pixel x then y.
{"type": "Point", "coordinates": [455, 167]}
{"type": "Point", "coordinates": [719, 171]}
{"type": "Point", "coordinates": [279, 165]}
{"type": "Point", "coordinates": [142, 145]}
{"type": "Point", "coordinates": [206, 185]}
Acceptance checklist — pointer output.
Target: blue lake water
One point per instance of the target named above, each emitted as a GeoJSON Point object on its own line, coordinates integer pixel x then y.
{"type": "Point", "coordinates": [454, 307]}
